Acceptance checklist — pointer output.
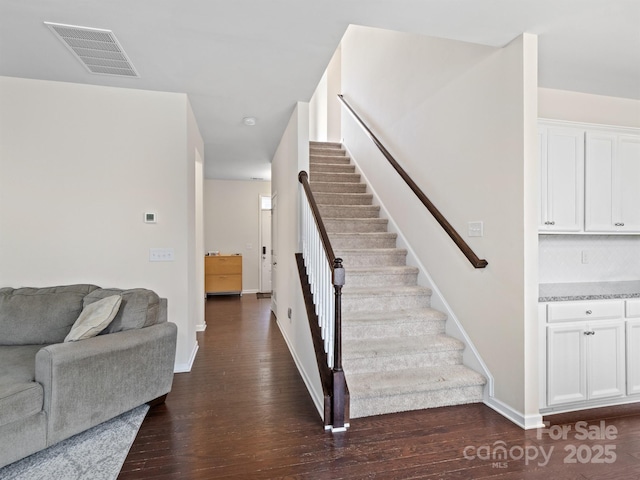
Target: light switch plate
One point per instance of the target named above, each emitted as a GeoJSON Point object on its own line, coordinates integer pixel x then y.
{"type": "Point", "coordinates": [476, 229]}
{"type": "Point", "coordinates": [161, 255]}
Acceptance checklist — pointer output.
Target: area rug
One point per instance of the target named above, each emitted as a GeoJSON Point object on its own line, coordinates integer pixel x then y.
{"type": "Point", "coordinates": [96, 454]}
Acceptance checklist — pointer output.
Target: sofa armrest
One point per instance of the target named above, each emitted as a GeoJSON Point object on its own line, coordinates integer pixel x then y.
{"type": "Point", "coordinates": [88, 382]}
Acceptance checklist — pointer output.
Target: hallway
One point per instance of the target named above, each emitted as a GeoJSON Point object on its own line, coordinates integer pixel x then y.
{"type": "Point", "coordinates": [243, 413]}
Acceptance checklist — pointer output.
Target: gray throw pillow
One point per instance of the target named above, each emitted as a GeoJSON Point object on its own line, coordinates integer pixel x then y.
{"type": "Point", "coordinates": [94, 318]}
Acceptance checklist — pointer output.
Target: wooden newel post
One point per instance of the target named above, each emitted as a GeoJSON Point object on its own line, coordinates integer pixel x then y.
{"type": "Point", "coordinates": [338, 401]}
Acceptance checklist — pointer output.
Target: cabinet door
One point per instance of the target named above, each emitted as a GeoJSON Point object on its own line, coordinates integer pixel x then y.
{"type": "Point", "coordinates": [566, 364]}
{"type": "Point", "coordinates": [626, 191]}
{"type": "Point", "coordinates": [606, 360]}
{"type": "Point", "coordinates": [633, 357]}
{"type": "Point", "coordinates": [600, 154]}
{"type": "Point", "coordinates": [562, 179]}
{"type": "Point", "coordinates": [612, 183]}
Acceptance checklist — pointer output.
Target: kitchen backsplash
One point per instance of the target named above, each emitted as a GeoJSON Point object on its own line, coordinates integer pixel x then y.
{"type": "Point", "coordinates": [607, 258]}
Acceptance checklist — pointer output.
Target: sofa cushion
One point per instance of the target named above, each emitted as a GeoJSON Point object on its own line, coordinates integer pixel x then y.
{"type": "Point", "coordinates": [30, 316]}
{"type": "Point", "coordinates": [139, 308]}
{"type": "Point", "coordinates": [94, 318]}
{"type": "Point", "coordinates": [20, 395]}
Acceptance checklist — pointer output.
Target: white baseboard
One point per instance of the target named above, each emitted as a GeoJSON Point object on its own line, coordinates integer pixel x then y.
{"type": "Point", "coordinates": [251, 290]}
{"type": "Point", "coordinates": [186, 367]}
{"type": "Point", "coordinates": [526, 422]}
{"type": "Point", "coordinates": [318, 398]}
{"type": "Point", "coordinates": [202, 327]}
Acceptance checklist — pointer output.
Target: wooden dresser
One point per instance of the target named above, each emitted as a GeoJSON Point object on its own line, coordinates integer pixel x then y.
{"type": "Point", "coordinates": [223, 274]}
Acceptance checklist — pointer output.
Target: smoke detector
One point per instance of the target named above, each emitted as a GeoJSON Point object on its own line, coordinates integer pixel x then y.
{"type": "Point", "coordinates": [249, 121]}
{"type": "Point", "coordinates": [97, 49]}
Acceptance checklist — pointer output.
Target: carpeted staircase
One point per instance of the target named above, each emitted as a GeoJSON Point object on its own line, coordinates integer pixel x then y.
{"type": "Point", "coordinates": [396, 355]}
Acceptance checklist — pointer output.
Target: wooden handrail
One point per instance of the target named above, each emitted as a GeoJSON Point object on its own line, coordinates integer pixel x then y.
{"type": "Point", "coordinates": [303, 178]}
{"type": "Point", "coordinates": [457, 239]}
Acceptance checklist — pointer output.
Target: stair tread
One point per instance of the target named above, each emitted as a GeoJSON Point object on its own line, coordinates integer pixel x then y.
{"type": "Point", "coordinates": [412, 380]}
{"type": "Point", "coordinates": [398, 316]}
{"type": "Point", "coordinates": [385, 291]}
{"type": "Point", "coordinates": [382, 270]}
{"type": "Point", "coordinates": [399, 346]}
{"type": "Point", "coordinates": [366, 251]}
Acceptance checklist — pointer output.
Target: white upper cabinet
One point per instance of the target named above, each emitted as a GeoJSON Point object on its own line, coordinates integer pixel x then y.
{"type": "Point", "coordinates": [561, 179]}
{"type": "Point", "coordinates": [612, 190]}
{"type": "Point", "coordinates": [589, 178]}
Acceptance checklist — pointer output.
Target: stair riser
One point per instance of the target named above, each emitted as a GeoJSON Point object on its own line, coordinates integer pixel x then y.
{"type": "Point", "coordinates": [365, 407]}
{"type": "Point", "coordinates": [371, 259]}
{"type": "Point", "coordinates": [399, 329]}
{"type": "Point", "coordinates": [328, 160]}
{"type": "Point", "coordinates": [327, 152]}
{"type": "Point", "coordinates": [349, 211]}
{"type": "Point", "coordinates": [399, 362]}
{"type": "Point", "coordinates": [335, 177]}
{"type": "Point", "coordinates": [319, 187]}
{"type": "Point", "coordinates": [315, 143]}
{"type": "Point", "coordinates": [343, 198]}
{"type": "Point", "coordinates": [382, 240]}
{"type": "Point", "coordinates": [337, 225]}
{"type": "Point", "coordinates": [384, 280]}
{"type": "Point", "coordinates": [380, 303]}
{"type": "Point", "coordinates": [331, 168]}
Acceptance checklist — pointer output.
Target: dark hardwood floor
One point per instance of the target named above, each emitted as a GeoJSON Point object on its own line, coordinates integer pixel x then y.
{"type": "Point", "coordinates": [243, 412]}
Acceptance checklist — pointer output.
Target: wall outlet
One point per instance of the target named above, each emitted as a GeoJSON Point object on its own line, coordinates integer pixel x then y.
{"type": "Point", "coordinates": [161, 255]}
{"type": "Point", "coordinates": [585, 256]}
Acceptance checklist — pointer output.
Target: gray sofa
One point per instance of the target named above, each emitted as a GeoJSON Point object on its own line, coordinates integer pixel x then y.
{"type": "Point", "coordinates": [51, 389]}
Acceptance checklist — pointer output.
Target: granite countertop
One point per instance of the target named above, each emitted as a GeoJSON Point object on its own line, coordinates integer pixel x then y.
{"type": "Point", "coordinates": [564, 292]}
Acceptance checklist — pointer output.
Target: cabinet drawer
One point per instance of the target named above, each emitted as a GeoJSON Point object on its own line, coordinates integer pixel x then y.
{"type": "Point", "coordinates": [223, 264]}
{"type": "Point", "coordinates": [633, 308]}
{"type": "Point", "coordinates": [222, 283]}
{"type": "Point", "coordinates": [574, 311]}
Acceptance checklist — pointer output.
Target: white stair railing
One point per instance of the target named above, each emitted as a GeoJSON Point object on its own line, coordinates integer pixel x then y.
{"type": "Point", "coordinates": [319, 271]}
{"type": "Point", "coordinates": [326, 278]}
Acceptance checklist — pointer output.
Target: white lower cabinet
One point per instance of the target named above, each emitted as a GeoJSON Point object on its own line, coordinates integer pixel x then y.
{"type": "Point", "coordinates": [586, 361]}
{"type": "Point", "coordinates": [592, 353]}
{"type": "Point", "coordinates": [633, 357]}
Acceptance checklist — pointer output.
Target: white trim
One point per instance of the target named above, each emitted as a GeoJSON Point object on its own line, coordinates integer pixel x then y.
{"type": "Point", "coordinates": [588, 126]}
{"type": "Point", "coordinates": [318, 399]}
{"type": "Point", "coordinates": [470, 357]}
{"type": "Point", "coordinates": [526, 422]}
{"type": "Point", "coordinates": [251, 290]}
{"type": "Point", "coordinates": [201, 327]}
{"type": "Point", "coordinates": [589, 404]}
{"type": "Point", "coordinates": [186, 367]}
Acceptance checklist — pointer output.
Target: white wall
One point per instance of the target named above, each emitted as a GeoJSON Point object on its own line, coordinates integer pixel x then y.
{"type": "Point", "coordinates": [232, 223]}
{"type": "Point", "coordinates": [461, 118]}
{"type": "Point", "coordinates": [292, 156]}
{"type": "Point", "coordinates": [318, 111]}
{"type": "Point", "coordinates": [588, 108]}
{"type": "Point", "coordinates": [79, 166]}
{"type": "Point", "coordinates": [324, 107]}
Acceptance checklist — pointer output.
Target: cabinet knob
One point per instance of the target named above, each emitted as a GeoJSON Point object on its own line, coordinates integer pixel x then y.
{"type": "Point", "coordinates": [619, 224]}
{"type": "Point", "coordinates": [588, 312]}
{"type": "Point", "coordinates": [549, 223]}
{"type": "Point", "coordinates": [590, 332]}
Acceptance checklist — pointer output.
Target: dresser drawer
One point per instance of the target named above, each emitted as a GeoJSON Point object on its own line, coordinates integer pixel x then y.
{"type": "Point", "coordinates": [223, 264]}
{"type": "Point", "coordinates": [633, 308]}
{"type": "Point", "coordinates": [580, 311]}
{"type": "Point", "coordinates": [222, 283]}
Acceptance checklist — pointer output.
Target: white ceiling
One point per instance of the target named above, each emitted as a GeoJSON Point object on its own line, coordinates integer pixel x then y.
{"type": "Point", "coordinates": [238, 58]}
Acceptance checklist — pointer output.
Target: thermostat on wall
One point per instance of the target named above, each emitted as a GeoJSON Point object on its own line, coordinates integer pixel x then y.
{"type": "Point", "coordinates": [149, 218]}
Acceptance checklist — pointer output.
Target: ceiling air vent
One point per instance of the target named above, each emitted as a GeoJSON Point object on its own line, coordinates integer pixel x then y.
{"type": "Point", "coordinates": [97, 49]}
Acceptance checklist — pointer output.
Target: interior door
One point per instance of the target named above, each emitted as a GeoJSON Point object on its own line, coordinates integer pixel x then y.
{"type": "Point", "coordinates": [265, 252]}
